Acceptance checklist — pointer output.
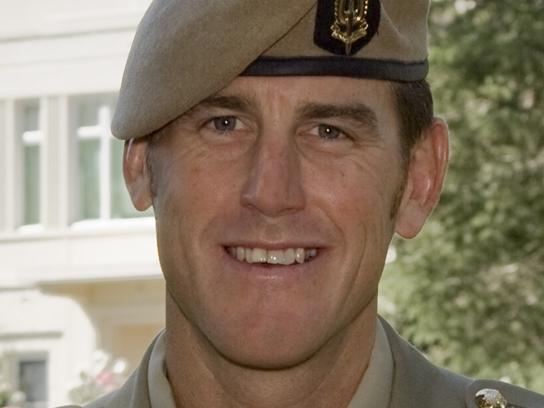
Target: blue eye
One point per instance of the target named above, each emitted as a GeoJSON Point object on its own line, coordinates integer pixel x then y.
{"type": "Point", "coordinates": [224, 124]}
{"type": "Point", "coordinates": [329, 132]}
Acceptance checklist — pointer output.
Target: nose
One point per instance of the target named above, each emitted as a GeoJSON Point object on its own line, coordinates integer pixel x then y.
{"type": "Point", "coordinates": [274, 181]}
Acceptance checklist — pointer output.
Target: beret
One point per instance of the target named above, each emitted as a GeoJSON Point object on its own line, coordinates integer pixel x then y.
{"type": "Point", "coordinates": [186, 50]}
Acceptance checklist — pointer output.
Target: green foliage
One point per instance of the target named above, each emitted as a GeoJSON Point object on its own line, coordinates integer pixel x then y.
{"type": "Point", "coordinates": [470, 290]}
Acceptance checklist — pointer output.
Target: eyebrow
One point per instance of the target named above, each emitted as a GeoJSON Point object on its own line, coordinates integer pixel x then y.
{"type": "Point", "coordinates": [357, 112]}
{"type": "Point", "coordinates": [237, 103]}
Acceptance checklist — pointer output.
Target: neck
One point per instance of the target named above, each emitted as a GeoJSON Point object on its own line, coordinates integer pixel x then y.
{"type": "Point", "coordinates": [201, 377]}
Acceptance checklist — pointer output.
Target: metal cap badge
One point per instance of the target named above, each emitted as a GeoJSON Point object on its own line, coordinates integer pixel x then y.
{"type": "Point", "coordinates": [348, 26]}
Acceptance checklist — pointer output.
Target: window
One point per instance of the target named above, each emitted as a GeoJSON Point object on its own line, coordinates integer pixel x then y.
{"type": "Point", "coordinates": [31, 140]}
{"type": "Point", "coordinates": [101, 189]}
{"type": "Point", "coordinates": [32, 380]}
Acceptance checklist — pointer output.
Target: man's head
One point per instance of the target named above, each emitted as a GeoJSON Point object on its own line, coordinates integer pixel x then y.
{"type": "Point", "coordinates": [276, 198]}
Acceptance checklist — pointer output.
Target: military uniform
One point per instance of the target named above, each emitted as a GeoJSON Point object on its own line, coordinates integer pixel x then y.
{"type": "Point", "coordinates": [170, 70]}
{"type": "Point", "coordinates": [416, 383]}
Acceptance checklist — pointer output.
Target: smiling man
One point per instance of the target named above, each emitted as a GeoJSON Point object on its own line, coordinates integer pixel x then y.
{"type": "Point", "coordinates": [282, 144]}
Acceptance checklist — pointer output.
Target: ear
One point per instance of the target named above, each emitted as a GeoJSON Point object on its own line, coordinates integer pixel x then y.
{"type": "Point", "coordinates": [136, 173]}
{"type": "Point", "coordinates": [424, 179]}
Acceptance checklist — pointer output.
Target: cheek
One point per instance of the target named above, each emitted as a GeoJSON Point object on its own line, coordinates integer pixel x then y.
{"type": "Point", "coordinates": [357, 193]}
{"type": "Point", "coordinates": [194, 191]}
{"type": "Point", "coordinates": [189, 196]}
{"type": "Point", "coordinates": [355, 196]}
{"type": "Point", "coordinates": [179, 195]}
{"type": "Point", "coordinates": [192, 182]}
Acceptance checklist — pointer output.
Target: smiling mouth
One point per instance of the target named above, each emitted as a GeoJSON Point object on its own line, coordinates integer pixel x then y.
{"type": "Point", "coordinates": [288, 256]}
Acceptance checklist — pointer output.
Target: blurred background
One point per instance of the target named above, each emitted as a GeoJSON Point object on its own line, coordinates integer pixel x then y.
{"type": "Point", "coordinates": [81, 294]}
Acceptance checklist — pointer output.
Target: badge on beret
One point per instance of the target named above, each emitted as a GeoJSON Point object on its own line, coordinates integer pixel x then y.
{"type": "Point", "coordinates": [343, 27]}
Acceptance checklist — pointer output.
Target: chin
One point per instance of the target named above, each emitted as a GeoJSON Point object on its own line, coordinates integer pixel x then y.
{"type": "Point", "coordinates": [271, 344]}
{"type": "Point", "coordinates": [265, 356]}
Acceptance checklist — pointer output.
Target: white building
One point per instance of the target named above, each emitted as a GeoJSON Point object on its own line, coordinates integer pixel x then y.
{"type": "Point", "coordinates": [78, 266]}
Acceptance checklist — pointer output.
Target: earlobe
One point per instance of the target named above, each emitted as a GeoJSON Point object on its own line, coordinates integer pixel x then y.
{"type": "Point", "coordinates": [424, 179]}
{"type": "Point", "coordinates": [136, 173]}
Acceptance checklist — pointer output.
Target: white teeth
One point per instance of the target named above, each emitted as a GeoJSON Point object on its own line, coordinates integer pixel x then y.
{"type": "Point", "coordinates": [299, 255]}
{"type": "Point", "coordinates": [289, 256]}
{"type": "Point", "coordinates": [275, 257]}
{"type": "Point", "coordinates": [240, 254]}
{"type": "Point", "coordinates": [259, 255]}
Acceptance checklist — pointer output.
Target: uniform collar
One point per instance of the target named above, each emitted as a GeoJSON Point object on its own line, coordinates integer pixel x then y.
{"type": "Point", "coordinates": [419, 383]}
{"type": "Point", "coordinates": [160, 393]}
{"type": "Point", "coordinates": [373, 392]}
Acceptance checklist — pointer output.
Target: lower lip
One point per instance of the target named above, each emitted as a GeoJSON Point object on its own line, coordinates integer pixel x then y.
{"type": "Point", "coordinates": [271, 271]}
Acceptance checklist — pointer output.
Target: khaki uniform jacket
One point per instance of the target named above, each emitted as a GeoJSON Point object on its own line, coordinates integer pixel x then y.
{"type": "Point", "coordinates": [416, 384]}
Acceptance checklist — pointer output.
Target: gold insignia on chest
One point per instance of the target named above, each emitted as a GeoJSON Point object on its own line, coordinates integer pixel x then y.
{"type": "Point", "coordinates": [350, 23]}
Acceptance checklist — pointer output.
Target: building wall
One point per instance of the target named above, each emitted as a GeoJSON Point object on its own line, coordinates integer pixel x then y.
{"type": "Point", "coordinates": [33, 324]}
{"type": "Point", "coordinates": [65, 46]}
{"type": "Point", "coordinates": [77, 273]}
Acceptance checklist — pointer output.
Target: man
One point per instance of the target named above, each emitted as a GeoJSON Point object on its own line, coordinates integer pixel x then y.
{"type": "Point", "coordinates": [281, 145]}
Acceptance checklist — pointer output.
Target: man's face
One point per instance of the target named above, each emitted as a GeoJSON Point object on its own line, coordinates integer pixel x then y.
{"type": "Point", "coordinates": [303, 171]}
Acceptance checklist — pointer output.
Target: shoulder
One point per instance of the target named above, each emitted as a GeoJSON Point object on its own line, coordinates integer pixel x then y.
{"type": "Point", "coordinates": [106, 400]}
{"type": "Point", "coordinates": [118, 398]}
{"type": "Point", "coordinates": [418, 382]}
{"type": "Point", "coordinates": [478, 393]}
{"type": "Point", "coordinates": [102, 402]}
{"type": "Point", "coordinates": [497, 394]}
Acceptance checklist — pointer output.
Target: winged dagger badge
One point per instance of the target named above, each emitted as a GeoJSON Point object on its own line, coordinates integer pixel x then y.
{"type": "Point", "coordinates": [350, 21]}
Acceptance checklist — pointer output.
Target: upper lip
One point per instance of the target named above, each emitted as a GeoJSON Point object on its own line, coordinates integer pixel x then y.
{"type": "Point", "coordinates": [275, 245]}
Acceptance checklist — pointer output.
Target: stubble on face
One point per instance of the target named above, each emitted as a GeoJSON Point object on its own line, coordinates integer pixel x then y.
{"type": "Point", "coordinates": [336, 182]}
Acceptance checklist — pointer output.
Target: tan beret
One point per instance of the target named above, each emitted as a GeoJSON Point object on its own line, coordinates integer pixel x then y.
{"type": "Point", "coordinates": [187, 50]}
